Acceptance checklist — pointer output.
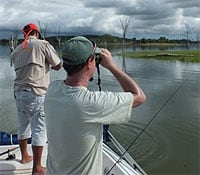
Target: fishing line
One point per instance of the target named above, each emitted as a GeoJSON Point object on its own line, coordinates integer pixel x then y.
{"type": "Point", "coordinates": [156, 114]}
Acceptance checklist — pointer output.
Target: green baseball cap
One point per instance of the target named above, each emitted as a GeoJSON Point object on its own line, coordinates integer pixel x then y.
{"type": "Point", "coordinates": [77, 50]}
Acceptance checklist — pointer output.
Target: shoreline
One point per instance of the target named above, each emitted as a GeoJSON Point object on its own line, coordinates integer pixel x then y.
{"type": "Point", "coordinates": [180, 55]}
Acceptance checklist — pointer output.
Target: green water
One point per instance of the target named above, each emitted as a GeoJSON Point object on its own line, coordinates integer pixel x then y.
{"type": "Point", "coordinates": [164, 133]}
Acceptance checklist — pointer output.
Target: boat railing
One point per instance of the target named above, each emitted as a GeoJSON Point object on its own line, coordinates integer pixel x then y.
{"type": "Point", "coordinates": [125, 155]}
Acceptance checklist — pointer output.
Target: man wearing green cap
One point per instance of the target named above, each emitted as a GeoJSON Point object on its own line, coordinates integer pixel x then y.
{"type": "Point", "coordinates": [75, 115]}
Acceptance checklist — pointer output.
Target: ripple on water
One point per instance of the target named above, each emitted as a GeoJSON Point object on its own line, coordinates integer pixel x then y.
{"type": "Point", "coordinates": [158, 145]}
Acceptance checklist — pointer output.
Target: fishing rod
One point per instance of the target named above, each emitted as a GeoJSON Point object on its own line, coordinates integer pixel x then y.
{"type": "Point", "coordinates": [41, 31]}
{"type": "Point", "coordinates": [9, 150]}
{"type": "Point", "coordinates": [12, 45]}
{"type": "Point", "coordinates": [156, 114]}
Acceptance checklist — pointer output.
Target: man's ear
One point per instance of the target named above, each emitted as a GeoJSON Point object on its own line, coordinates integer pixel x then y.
{"type": "Point", "coordinates": [90, 61]}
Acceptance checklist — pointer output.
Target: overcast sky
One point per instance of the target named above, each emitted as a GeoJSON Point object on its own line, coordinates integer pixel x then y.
{"type": "Point", "coordinates": [148, 18]}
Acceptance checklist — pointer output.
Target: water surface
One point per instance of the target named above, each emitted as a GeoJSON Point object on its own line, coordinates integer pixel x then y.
{"type": "Point", "coordinates": [164, 133]}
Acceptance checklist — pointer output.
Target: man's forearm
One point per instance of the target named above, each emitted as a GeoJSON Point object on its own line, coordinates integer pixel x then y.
{"type": "Point", "coordinates": [129, 85]}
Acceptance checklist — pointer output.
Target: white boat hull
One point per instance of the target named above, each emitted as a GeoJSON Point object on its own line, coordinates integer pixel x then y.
{"type": "Point", "coordinates": [12, 167]}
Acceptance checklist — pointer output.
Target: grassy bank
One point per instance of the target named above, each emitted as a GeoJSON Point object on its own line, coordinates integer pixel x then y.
{"type": "Point", "coordinates": [182, 55]}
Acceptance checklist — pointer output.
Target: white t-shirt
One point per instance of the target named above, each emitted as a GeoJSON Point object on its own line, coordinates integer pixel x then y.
{"type": "Point", "coordinates": [75, 117]}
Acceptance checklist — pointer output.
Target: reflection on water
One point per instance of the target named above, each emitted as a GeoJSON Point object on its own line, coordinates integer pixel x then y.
{"type": "Point", "coordinates": [164, 133]}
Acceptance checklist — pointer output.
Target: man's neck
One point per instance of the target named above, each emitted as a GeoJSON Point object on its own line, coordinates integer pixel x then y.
{"type": "Point", "coordinates": [71, 81]}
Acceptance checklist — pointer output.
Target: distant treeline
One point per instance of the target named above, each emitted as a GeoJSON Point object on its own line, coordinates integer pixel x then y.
{"type": "Point", "coordinates": [107, 39]}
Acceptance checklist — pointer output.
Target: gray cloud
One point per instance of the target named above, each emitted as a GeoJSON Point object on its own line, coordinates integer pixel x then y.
{"type": "Point", "coordinates": [191, 12]}
{"type": "Point", "coordinates": [105, 3]}
{"type": "Point", "coordinates": [184, 3]}
{"type": "Point", "coordinates": [156, 17]}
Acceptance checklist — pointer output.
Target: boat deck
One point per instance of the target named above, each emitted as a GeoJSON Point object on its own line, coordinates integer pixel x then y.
{"type": "Point", "coordinates": [14, 167]}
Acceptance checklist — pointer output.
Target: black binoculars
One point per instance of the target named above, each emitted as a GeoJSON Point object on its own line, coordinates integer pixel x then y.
{"type": "Point", "coordinates": [98, 59]}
